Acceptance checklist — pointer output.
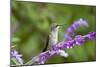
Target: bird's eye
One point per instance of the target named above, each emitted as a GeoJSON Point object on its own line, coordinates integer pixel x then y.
{"type": "Point", "coordinates": [57, 25]}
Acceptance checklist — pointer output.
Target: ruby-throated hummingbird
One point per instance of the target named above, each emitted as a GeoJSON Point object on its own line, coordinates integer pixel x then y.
{"type": "Point", "coordinates": [53, 37]}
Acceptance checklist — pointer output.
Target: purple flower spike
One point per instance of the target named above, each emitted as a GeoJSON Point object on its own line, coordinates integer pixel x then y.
{"type": "Point", "coordinates": [79, 40]}
{"type": "Point", "coordinates": [91, 35]}
{"type": "Point", "coordinates": [75, 25]}
{"type": "Point", "coordinates": [17, 56]}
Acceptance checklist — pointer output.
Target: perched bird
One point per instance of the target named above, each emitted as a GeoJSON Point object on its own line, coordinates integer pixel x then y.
{"type": "Point", "coordinates": [52, 39]}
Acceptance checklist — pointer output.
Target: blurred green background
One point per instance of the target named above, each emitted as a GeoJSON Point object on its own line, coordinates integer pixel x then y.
{"type": "Point", "coordinates": [30, 26]}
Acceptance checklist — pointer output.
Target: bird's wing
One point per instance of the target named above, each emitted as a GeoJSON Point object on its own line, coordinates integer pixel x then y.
{"type": "Point", "coordinates": [46, 45]}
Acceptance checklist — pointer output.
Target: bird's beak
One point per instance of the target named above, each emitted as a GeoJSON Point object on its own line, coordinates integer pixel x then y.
{"type": "Point", "coordinates": [61, 24]}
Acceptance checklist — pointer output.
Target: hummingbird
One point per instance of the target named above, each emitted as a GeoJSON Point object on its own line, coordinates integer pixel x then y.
{"type": "Point", "coordinates": [52, 39]}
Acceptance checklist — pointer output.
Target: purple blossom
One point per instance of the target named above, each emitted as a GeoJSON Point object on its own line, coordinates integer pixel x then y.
{"type": "Point", "coordinates": [79, 40]}
{"type": "Point", "coordinates": [69, 44]}
{"type": "Point", "coordinates": [91, 35]}
{"type": "Point", "coordinates": [75, 25]}
{"type": "Point", "coordinates": [15, 54]}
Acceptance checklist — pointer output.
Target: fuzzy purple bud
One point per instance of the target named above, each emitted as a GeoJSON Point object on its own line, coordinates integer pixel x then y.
{"type": "Point", "coordinates": [91, 35]}
{"type": "Point", "coordinates": [17, 56]}
{"type": "Point", "coordinates": [75, 25]}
